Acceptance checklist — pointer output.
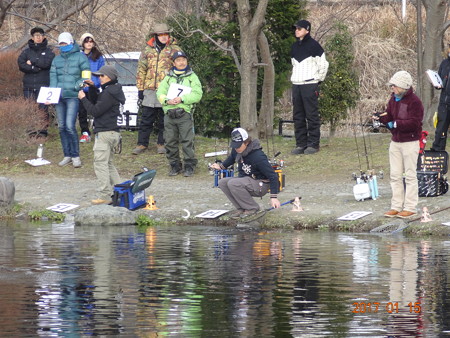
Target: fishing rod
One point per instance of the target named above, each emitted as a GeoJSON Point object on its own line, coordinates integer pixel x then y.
{"type": "Point", "coordinates": [288, 202]}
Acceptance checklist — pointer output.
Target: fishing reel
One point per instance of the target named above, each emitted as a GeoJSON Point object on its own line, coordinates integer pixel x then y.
{"type": "Point", "coordinates": [364, 177]}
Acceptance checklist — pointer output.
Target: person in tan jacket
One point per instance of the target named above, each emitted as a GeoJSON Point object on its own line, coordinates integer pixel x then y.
{"type": "Point", "coordinates": [154, 63]}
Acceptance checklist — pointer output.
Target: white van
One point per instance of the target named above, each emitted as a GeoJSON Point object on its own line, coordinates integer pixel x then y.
{"type": "Point", "coordinates": [126, 65]}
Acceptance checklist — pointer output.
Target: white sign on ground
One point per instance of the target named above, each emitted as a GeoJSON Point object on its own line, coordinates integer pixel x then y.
{"type": "Point", "coordinates": [354, 215]}
{"type": "Point", "coordinates": [212, 213]}
{"type": "Point", "coordinates": [63, 207]}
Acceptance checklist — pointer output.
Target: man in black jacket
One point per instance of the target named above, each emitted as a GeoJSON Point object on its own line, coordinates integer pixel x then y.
{"type": "Point", "coordinates": [440, 138]}
{"type": "Point", "coordinates": [35, 62]}
{"type": "Point", "coordinates": [256, 175]}
{"type": "Point", "coordinates": [107, 133]}
{"type": "Point", "coordinates": [309, 68]}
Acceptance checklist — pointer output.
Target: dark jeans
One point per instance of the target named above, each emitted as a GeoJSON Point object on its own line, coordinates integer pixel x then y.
{"type": "Point", "coordinates": [33, 94]}
{"type": "Point", "coordinates": [150, 116]}
{"type": "Point", "coordinates": [306, 115]}
{"type": "Point", "coordinates": [440, 136]}
{"type": "Point", "coordinates": [83, 117]}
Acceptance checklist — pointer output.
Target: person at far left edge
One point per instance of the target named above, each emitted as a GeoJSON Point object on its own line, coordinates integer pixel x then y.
{"type": "Point", "coordinates": [256, 175]}
{"type": "Point", "coordinates": [35, 63]}
{"type": "Point", "coordinates": [105, 111]}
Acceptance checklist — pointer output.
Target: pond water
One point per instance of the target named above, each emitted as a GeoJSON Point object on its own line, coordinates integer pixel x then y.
{"type": "Point", "coordinates": [196, 281]}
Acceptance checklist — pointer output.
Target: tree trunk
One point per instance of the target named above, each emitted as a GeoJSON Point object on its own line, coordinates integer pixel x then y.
{"type": "Point", "coordinates": [249, 28]}
{"type": "Point", "coordinates": [265, 122]}
{"type": "Point", "coordinates": [431, 54]}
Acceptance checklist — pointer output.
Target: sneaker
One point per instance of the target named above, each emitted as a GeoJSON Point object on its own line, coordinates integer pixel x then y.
{"type": "Point", "coordinates": [100, 201]}
{"type": "Point", "coordinates": [139, 149]}
{"type": "Point", "coordinates": [405, 214]}
{"type": "Point", "coordinates": [85, 138]}
{"type": "Point", "coordinates": [311, 150]}
{"type": "Point", "coordinates": [76, 161]}
{"type": "Point", "coordinates": [298, 150]}
{"type": "Point", "coordinates": [65, 161]}
{"type": "Point", "coordinates": [391, 213]}
{"type": "Point", "coordinates": [160, 149]}
{"type": "Point", "coordinates": [247, 213]}
{"type": "Point", "coordinates": [236, 213]}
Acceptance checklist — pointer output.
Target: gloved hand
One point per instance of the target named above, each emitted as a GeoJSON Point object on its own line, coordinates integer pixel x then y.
{"type": "Point", "coordinates": [391, 125]}
{"type": "Point", "coordinates": [140, 94]}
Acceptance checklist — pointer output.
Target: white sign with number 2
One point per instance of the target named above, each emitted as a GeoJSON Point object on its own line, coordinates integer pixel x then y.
{"type": "Point", "coordinates": [50, 95]}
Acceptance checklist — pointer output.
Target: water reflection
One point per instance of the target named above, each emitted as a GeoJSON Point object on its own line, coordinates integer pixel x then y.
{"type": "Point", "coordinates": [60, 280]}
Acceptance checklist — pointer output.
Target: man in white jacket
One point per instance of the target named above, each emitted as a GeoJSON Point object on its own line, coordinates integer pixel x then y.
{"type": "Point", "coordinates": [309, 69]}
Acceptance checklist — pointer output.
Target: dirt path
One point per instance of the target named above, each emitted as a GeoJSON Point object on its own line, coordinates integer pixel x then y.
{"type": "Point", "coordinates": [177, 196]}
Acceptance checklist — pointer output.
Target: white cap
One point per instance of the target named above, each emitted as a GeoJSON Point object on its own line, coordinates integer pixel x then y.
{"type": "Point", "coordinates": [65, 37]}
{"type": "Point", "coordinates": [238, 136]}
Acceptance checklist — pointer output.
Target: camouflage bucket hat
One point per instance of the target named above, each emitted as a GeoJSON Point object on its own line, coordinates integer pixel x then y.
{"type": "Point", "coordinates": [161, 28]}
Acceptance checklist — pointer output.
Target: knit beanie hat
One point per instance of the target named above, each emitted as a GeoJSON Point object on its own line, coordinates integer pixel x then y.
{"type": "Point", "coordinates": [84, 36]}
{"type": "Point", "coordinates": [401, 79]}
{"type": "Point", "coordinates": [65, 37]}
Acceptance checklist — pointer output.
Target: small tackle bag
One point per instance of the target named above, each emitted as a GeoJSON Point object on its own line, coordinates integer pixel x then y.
{"type": "Point", "coordinates": [131, 194]}
{"type": "Point", "coordinates": [431, 169]}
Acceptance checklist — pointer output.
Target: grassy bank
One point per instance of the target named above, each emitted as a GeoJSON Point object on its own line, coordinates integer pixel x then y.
{"type": "Point", "coordinates": [337, 159]}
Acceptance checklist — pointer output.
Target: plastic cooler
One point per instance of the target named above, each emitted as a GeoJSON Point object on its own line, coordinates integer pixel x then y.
{"type": "Point", "coordinates": [131, 194]}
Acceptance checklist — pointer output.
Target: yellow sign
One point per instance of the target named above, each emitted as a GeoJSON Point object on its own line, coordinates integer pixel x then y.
{"type": "Point", "coordinates": [86, 74]}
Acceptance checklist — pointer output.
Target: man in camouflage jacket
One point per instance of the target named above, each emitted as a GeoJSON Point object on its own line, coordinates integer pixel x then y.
{"type": "Point", "coordinates": [154, 63]}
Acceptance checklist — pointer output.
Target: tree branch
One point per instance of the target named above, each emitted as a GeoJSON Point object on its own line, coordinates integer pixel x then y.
{"type": "Point", "coordinates": [64, 16]}
{"type": "Point", "coordinates": [230, 49]}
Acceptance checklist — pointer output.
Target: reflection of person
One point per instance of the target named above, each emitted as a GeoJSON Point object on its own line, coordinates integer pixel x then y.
{"type": "Point", "coordinates": [403, 117]}
{"type": "Point", "coordinates": [96, 60]}
{"type": "Point", "coordinates": [154, 63]}
{"type": "Point", "coordinates": [256, 175]}
{"type": "Point", "coordinates": [309, 69]}
{"type": "Point", "coordinates": [65, 73]}
{"type": "Point", "coordinates": [107, 135]}
{"type": "Point", "coordinates": [178, 120]}
{"type": "Point", "coordinates": [443, 117]}
{"type": "Point", "coordinates": [35, 62]}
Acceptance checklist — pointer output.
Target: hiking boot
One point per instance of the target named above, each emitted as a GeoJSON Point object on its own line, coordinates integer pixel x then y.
{"type": "Point", "coordinates": [85, 138]}
{"type": "Point", "coordinates": [139, 149]}
{"type": "Point", "coordinates": [236, 213]}
{"type": "Point", "coordinates": [76, 161]}
{"type": "Point", "coordinates": [188, 170]}
{"type": "Point", "coordinates": [391, 213]}
{"type": "Point", "coordinates": [65, 161]}
{"type": "Point", "coordinates": [247, 213]}
{"type": "Point", "coordinates": [311, 150]}
{"type": "Point", "coordinates": [405, 214]}
{"type": "Point", "coordinates": [175, 169]}
{"type": "Point", "coordinates": [298, 150]}
{"type": "Point", "coordinates": [100, 201]}
{"type": "Point", "coordinates": [160, 149]}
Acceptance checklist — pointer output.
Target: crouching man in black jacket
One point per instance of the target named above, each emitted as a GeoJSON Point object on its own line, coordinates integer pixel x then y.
{"type": "Point", "coordinates": [107, 134]}
{"type": "Point", "coordinates": [256, 175]}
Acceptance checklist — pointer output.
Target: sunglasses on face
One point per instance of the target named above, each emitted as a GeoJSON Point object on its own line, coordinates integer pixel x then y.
{"type": "Point", "coordinates": [88, 40]}
{"type": "Point", "coordinates": [163, 34]}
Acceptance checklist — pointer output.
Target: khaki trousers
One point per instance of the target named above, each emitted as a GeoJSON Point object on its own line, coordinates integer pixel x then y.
{"type": "Point", "coordinates": [107, 175]}
{"type": "Point", "coordinates": [403, 159]}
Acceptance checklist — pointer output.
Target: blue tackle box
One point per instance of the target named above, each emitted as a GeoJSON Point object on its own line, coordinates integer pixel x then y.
{"type": "Point", "coordinates": [131, 194]}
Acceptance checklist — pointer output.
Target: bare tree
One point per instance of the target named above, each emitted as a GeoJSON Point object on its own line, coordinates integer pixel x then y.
{"type": "Point", "coordinates": [429, 56]}
{"type": "Point", "coordinates": [266, 112]}
{"type": "Point", "coordinates": [5, 5]}
{"type": "Point", "coordinates": [250, 27]}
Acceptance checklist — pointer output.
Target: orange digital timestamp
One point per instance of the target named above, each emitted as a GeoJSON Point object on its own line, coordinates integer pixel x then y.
{"type": "Point", "coordinates": [390, 307]}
